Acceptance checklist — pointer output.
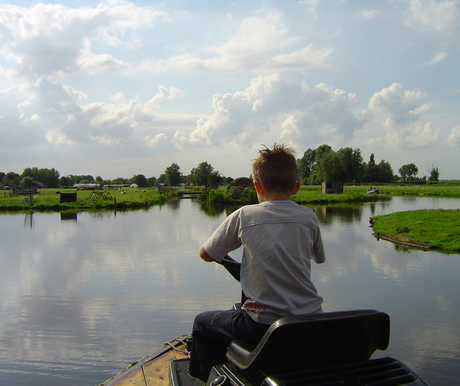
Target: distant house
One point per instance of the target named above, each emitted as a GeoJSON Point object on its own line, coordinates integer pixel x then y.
{"type": "Point", "coordinates": [86, 186]}
{"type": "Point", "coordinates": [37, 184]}
{"type": "Point", "coordinates": [331, 187]}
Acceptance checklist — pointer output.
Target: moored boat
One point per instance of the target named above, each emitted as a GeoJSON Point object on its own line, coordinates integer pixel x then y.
{"type": "Point", "coordinates": [372, 191]}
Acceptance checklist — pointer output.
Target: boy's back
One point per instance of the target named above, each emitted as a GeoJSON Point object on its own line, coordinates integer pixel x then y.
{"type": "Point", "coordinates": [280, 238]}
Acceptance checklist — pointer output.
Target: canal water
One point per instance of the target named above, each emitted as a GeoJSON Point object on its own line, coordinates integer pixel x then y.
{"type": "Point", "coordinates": [82, 296]}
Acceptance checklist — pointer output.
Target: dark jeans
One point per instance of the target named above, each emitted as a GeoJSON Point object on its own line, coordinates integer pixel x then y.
{"type": "Point", "coordinates": [213, 331]}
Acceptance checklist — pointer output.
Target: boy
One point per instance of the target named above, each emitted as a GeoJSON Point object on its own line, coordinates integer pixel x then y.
{"type": "Point", "coordinates": [279, 238]}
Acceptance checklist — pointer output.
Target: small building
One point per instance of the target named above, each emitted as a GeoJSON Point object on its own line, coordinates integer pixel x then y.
{"type": "Point", "coordinates": [68, 197]}
{"type": "Point", "coordinates": [331, 187]}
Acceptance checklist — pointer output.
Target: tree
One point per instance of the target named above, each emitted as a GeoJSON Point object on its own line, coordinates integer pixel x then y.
{"type": "Point", "coordinates": [215, 179]}
{"type": "Point", "coordinates": [384, 172]}
{"type": "Point", "coordinates": [228, 180]}
{"type": "Point", "coordinates": [73, 179]}
{"type": "Point", "coordinates": [140, 180]}
{"type": "Point", "coordinates": [370, 174]}
{"type": "Point", "coordinates": [152, 181]}
{"type": "Point", "coordinates": [48, 177]}
{"type": "Point", "coordinates": [199, 175]}
{"type": "Point", "coordinates": [408, 172]}
{"type": "Point", "coordinates": [162, 179]}
{"type": "Point", "coordinates": [351, 161]}
{"type": "Point", "coordinates": [320, 168]}
{"type": "Point", "coordinates": [11, 179]}
{"type": "Point", "coordinates": [434, 173]}
{"type": "Point", "coordinates": [64, 181]}
{"type": "Point", "coordinates": [331, 168]}
{"type": "Point", "coordinates": [305, 166]}
{"type": "Point", "coordinates": [119, 181]}
{"type": "Point", "coordinates": [27, 182]}
{"type": "Point", "coordinates": [173, 176]}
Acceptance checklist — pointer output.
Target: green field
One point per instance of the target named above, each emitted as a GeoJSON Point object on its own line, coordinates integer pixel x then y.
{"type": "Point", "coordinates": [445, 189]}
{"type": "Point", "coordinates": [136, 198]}
{"type": "Point", "coordinates": [312, 195]}
{"type": "Point", "coordinates": [438, 228]}
{"type": "Point", "coordinates": [87, 200]}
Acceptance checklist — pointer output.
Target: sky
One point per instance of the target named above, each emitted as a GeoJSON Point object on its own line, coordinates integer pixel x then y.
{"type": "Point", "coordinates": [118, 88]}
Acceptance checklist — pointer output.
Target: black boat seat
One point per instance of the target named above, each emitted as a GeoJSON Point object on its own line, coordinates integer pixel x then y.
{"type": "Point", "coordinates": [302, 342]}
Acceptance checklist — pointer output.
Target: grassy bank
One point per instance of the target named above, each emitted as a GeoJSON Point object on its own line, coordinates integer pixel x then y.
{"type": "Point", "coordinates": [437, 228]}
{"type": "Point", "coordinates": [307, 195]}
{"type": "Point", "coordinates": [447, 189]}
{"type": "Point", "coordinates": [87, 200]}
{"type": "Point", "coordinates": [312, 195]}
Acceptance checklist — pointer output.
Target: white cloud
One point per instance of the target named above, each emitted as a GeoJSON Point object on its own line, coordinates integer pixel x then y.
{"type": "Point", "coordinates": [277, 107]}
{"type": "Point", "coordinates": [53, 40]}
{"type": "Point", "coordinates": [260, 45]}
{"type": "Point", "coordinates": [439, 16]}
{"type": "Point", "coordinates": [404, 123]}
{"type": "Point", "coordinates": [369, 14]}
{"type": "Point", "coordinates": [439, 57]}
{"type": "Point", "coordinates": [402, 105]}
{"type": "Point", "coordinates": [56, 114]}
{"type": "Point", "coordinates": [454, 137]}
{"type": "Point", "coordinates": [155, 140]}
{"type": "Point", "coordinates": [311, 7]}
{"type": "Point", "coordinates": [100, 64]}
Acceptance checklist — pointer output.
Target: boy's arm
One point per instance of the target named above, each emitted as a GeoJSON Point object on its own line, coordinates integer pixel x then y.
{"type": "Point", "coordinates": [205, 256]}
{"type": "Point", "coordinates": [223, 240]}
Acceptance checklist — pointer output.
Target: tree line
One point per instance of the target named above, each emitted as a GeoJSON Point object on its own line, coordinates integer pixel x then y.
{"type": "Point", "coordinates": [315, 166]}
{"type": "Point", "coordinates": [202, 175]}
{"type": "Point", "coordinates": [347, 165]}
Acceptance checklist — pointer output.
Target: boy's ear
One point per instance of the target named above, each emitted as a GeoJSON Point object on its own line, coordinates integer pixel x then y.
{"type": "Point", "coordinates": [258, 186]}
{"type": "Point", "coordinates": [296, 188]}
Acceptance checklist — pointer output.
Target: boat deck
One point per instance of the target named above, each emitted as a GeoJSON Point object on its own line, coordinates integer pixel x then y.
{"type": "Point", "coordinates": [152, 370]}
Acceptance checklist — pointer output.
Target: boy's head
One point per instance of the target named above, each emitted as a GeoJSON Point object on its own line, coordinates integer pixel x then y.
{"type": "Point", "coordinates": [276, 169]}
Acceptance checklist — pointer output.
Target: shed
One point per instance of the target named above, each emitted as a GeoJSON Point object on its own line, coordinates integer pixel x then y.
{"type": "Point", "coordinates": [331, 187]}
{"type": "Point", "coordinates": [68, 197]}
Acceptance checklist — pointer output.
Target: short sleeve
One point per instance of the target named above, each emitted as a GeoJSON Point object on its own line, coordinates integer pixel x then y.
{"type": "Point", "coordinates": [225, 238]}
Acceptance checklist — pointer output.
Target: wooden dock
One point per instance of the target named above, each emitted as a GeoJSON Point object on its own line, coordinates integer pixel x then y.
{"type": "Point", "coordinates": [182, 193]}
{"type": "Point", "coordinates": [187, 193]}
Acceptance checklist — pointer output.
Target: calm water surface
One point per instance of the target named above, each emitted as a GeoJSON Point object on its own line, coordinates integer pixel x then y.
{"type": "Point", "coordinates": [82, 297]}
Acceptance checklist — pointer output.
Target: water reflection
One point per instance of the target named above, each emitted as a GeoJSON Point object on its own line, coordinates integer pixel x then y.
{"type": "Point", "coordinates": [351, 213]}
{"type": "Point", "coordinates": [29, 220]}
{"type": "Point", "coordinates": [67, 216]}
{"type": "Point", "coordinates": [81, 299]}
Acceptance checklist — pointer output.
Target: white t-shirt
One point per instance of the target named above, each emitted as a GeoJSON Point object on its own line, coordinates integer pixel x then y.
{"type": "Point", "coordinates": [279, 238]}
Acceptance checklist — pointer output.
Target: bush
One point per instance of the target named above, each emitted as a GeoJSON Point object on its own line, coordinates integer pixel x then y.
{"type": "Point", "coordinates": [402, 229]}
{"type": "Point", "coordinates": [213, 197]}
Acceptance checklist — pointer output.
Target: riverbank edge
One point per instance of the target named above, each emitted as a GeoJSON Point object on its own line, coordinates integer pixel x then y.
{"type": "Point", "coordinates": [404, 241]}
{"type": "Point", "coordinates": [81, 208]}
